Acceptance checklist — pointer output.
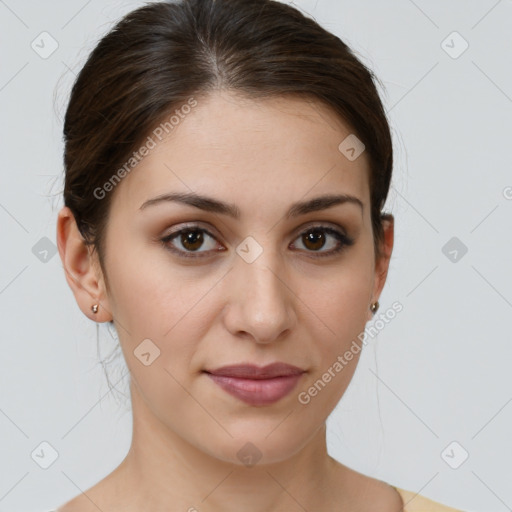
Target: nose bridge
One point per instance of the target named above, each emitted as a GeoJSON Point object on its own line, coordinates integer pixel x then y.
{"type": "Point", "coordinates": [264, 279]}
{"type": "Point", "coordinates": [262, 274]}
{"type": "Point", "coordinates": [264, 300]}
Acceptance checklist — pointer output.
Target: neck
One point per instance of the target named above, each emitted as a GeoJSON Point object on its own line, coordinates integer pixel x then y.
{"type": "Point", "coordinates": [162, 471]}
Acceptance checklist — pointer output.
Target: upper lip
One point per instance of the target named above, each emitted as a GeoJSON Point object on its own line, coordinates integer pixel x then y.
{"type": "Point", "coordinates": [251, 371]}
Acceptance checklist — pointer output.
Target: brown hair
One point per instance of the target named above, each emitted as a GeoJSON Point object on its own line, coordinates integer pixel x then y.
{"type": "Point", "coordinates": [158, 56]}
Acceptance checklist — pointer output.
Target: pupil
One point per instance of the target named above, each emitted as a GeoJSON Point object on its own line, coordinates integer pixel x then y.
{"type": "Point", "coordinates": [315, 236]}
{"type": "Point", "coordinates": [194, 238]}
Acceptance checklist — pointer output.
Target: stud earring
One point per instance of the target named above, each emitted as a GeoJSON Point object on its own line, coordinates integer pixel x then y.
{"type": "Point", "coordinates": [94, 308]}
{"type": "Point", "coordinates": [374, 307]}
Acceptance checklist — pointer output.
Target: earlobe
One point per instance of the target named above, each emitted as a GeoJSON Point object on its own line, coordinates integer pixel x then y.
{"type": "Point", "coordinates": [82, 271]}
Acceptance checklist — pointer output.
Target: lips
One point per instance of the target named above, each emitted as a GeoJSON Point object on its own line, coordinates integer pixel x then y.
{"type": "Point", "coordinates": [257, 385]}
{"type": "Point", "coordinates": [250, 371]}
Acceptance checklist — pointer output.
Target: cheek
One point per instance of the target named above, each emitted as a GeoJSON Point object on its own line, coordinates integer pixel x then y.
{"type": "Point", "coordinates": [150, 294]}
{"type": "Point", "coordinates": [172, 308]}
{"type": "Point", "coordinates": [343, 322]}
{"type": "Point", "coordinates": [341, 305]}
{"type": "Point", "coordinates": [165, 321]}
{"type": "Point", "coordinates": [336, 333]}
{"type": "Point", "coordinates": [341, 299]}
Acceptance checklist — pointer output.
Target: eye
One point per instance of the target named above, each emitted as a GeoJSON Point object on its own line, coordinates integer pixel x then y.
{"type": "Point", "coordinates": [193, 237]}
{"type": "Point", "coordinates": [190, 239]}
{"type": "Point", "coordinates": [316, 237]}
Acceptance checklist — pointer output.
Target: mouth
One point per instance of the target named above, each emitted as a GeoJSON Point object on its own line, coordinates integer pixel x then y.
{"type": "Point", "coordinates": [257, 385]}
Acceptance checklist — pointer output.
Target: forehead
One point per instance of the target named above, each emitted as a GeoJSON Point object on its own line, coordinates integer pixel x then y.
{"type": "Point", "coordinates": [253, 151]}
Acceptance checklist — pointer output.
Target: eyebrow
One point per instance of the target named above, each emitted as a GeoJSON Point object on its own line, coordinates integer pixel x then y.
{"type": "Point", "coordinates": [210, 204]}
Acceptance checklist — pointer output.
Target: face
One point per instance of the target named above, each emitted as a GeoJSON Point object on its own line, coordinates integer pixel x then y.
{"type": "Point", "coordinates": [194, 289]}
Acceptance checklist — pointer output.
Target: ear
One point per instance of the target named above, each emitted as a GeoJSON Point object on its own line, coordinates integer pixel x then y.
{"type": "Point", "coordinates": [82, 268]}
{"type": "Point", "coordinates": [382, 264]}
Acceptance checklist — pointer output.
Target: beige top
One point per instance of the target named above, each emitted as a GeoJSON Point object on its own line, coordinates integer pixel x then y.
{"type": "Point", "coordinates": [416, 503]}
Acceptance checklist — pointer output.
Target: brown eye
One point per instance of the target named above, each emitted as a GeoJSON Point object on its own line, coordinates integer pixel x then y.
{"type": "Point", "coordinates": [187, 242]}
{"type": "Point", "coordinates": [317, 237]}
{"type": "Point", "coordinates": [190, 239]}
{"type": "Point", "coordinates": [314, 239]}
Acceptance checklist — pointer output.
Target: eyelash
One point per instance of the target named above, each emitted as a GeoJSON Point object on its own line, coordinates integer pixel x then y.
{"type": "Point", "coordinates": [344, 240]}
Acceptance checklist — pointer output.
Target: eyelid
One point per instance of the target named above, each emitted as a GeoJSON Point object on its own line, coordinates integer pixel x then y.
{"type": "Point", "coordinates": [320, 224]}
{"type": "Point", "coordinates": [336, 231]}
{"type": "Point", "coordinates": [166, 239]}
{"type": "Point", "coordinates": [191, 225]}
{"type": "Point", "coordinates": [296, 231]}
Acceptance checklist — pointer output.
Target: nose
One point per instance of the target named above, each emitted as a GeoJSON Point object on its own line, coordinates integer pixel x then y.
{"type": "Point", "coordinates": [260, 304]}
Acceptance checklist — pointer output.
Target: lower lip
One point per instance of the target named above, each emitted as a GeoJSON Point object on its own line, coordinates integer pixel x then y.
{"type": "Point", "coordinates": [257, 392]}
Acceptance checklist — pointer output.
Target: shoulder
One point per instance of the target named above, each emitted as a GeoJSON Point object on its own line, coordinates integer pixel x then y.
{"type": "Point", "coordinates": [416, 503]}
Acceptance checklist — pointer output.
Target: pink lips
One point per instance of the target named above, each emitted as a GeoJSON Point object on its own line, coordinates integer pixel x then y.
{"type": "Point", "coordinates": [255, 385]}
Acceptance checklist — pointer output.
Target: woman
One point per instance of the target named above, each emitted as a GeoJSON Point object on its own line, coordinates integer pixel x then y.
{"type": "Point", "coordinates": [227, 162]}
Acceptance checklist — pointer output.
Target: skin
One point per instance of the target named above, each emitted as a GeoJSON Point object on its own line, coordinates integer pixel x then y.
{"type": "Point", "coordinates": [287, 305]}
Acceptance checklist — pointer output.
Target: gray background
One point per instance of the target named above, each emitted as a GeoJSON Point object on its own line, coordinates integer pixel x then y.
{"type": "Point", "coordinates": [439, 372]}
